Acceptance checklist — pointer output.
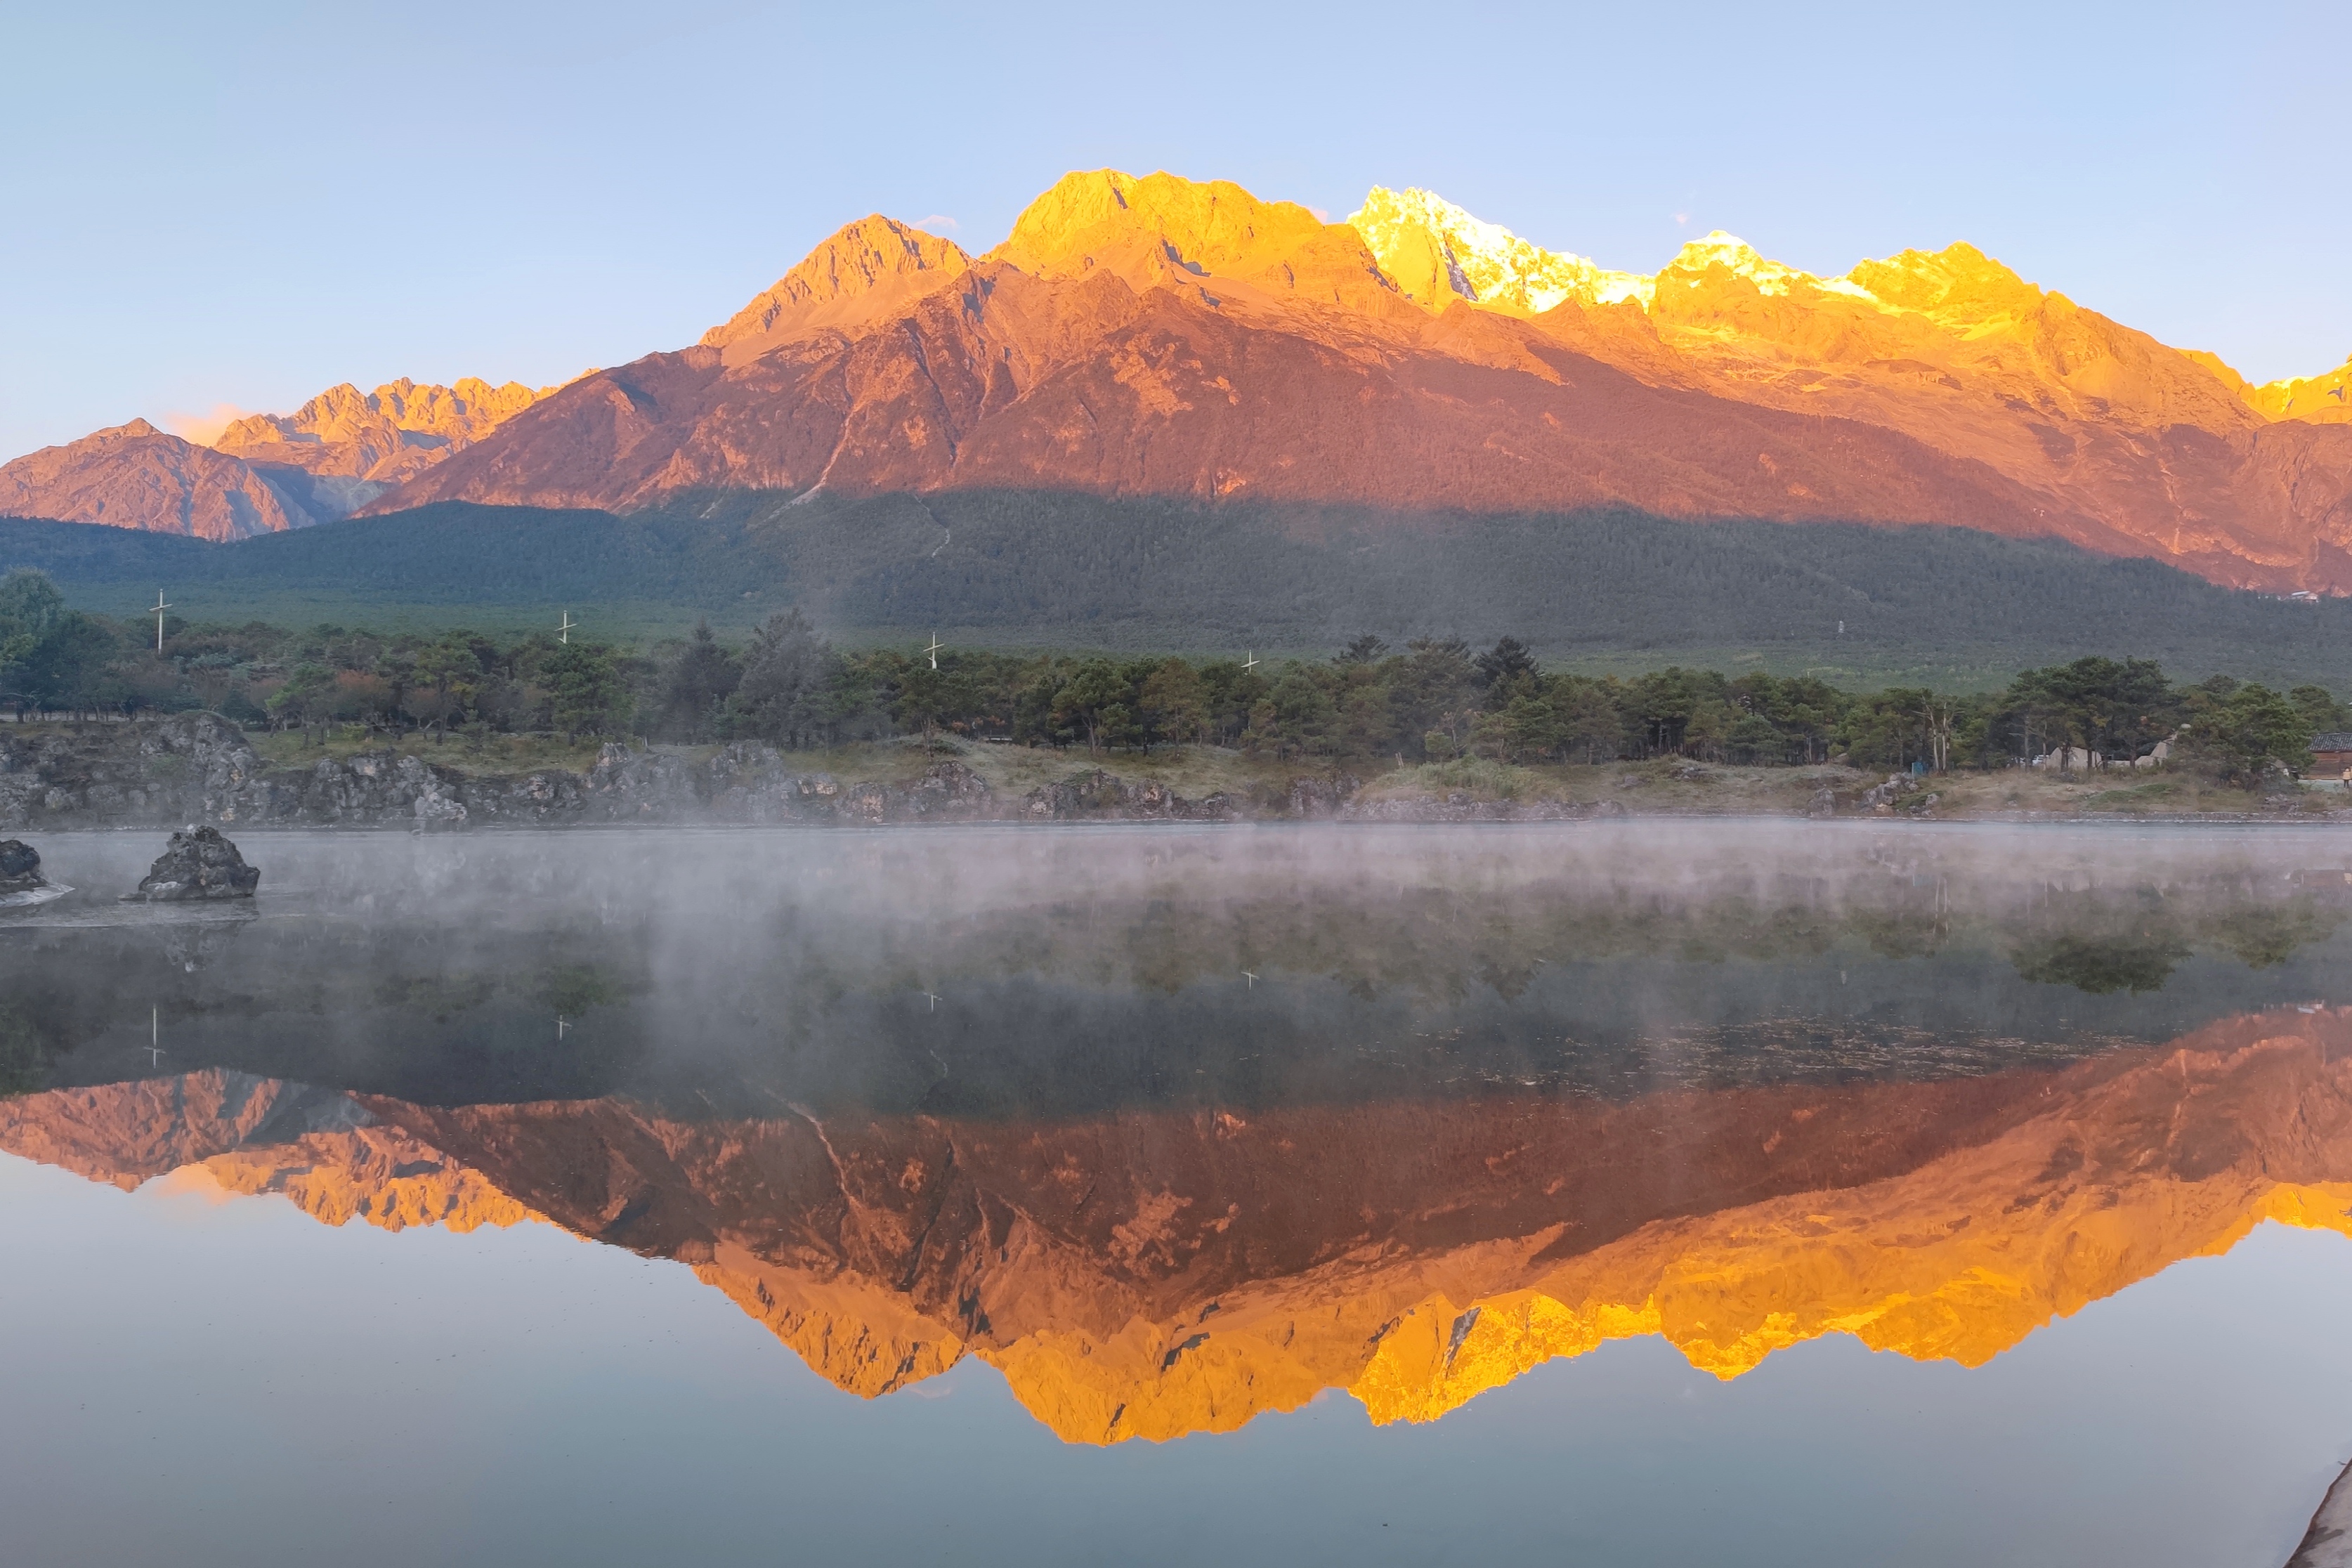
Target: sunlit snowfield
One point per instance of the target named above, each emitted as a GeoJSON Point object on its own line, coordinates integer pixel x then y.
{"type": "Point", "coordinates": [1630, 1193]}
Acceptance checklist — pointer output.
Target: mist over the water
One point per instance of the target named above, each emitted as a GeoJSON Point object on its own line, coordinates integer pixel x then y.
{"type": "Point", "coordinates": [1057, 972]}
{"type": "Point", "coordinates": [1596, 1155]}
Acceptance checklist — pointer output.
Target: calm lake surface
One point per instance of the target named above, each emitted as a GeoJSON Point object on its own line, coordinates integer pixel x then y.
{"type": "Point", "coordinates": [1613, 1193]}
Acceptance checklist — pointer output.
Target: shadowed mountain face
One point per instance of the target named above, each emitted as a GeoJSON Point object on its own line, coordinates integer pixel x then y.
{"type": "Point", "coordinates": [1151, 1274]}
{"type": "Point", "coordinates": [1176, 1129]}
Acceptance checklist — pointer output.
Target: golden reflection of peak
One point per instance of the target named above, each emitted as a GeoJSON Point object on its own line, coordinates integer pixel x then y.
{"type": "Point", "coordinates": [218, 1134]}
{"type": "Point", "coordinates": [1150, 1273]}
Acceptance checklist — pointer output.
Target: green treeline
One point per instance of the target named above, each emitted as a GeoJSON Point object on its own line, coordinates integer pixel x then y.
{"type": "Point", "coordinates": [1432, 699]}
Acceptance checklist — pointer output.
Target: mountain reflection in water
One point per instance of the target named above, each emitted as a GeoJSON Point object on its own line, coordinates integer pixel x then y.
{"type": "Point", "coordinates": [1176, 1129]}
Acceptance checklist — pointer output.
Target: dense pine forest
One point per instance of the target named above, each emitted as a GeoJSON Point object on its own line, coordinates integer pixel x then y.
{"type": "Point", "coordinates": [1431, 700]}
{"type": "Point", "coordinates": [1025, 571]}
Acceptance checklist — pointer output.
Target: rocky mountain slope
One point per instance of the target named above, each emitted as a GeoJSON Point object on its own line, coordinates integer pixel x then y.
{"type": "Point", "coordinates": [344, 448]}
{"type": "Point", "coordinates": [1151, 1273]}
{"type": "Point", "coordinates": [859, 275]}
{"type": "Point", "coordinates": [265, 473]}
{"type": "Point", "coordinates": [135, 475]}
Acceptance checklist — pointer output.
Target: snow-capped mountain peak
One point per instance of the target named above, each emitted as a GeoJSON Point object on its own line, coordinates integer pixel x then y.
{"type": "Point", "coordinates": [1435, 251]}
{"type": "Point", "coordinates": [1736, 256]}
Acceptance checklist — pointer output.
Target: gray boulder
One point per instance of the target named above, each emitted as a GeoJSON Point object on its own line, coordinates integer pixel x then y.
{"type": "Point", "coordinates": [198, 863]}
{"type": "Point", "coordinates": [21, 881]}
{"type": "Point", "coordinates": [20, 867]}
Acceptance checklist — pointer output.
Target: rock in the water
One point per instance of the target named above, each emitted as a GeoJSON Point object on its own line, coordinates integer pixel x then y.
{"type": "Point", "coordinates": [21, 881]}
{"type": "Point", "coordinates": [20, 867]}
{"type": "Point", "coordinates": [199, 864]}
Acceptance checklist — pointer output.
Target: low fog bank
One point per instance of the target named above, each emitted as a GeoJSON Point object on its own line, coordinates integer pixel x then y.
{"type": "Point", "coordinates": [1017, 972]}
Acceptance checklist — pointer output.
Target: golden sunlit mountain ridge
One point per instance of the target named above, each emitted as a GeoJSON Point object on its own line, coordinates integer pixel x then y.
{"type": "Point", "coordinates": [265, 473]}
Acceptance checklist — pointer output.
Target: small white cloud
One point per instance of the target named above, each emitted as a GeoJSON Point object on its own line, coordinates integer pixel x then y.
{"type": "Point", "coordinates": [1321, 214]}
{"type": "Point", "coordinates": [1683, 219]}
{"type": "Point", "coordinates": [203, 430]}
{"type": "Point", "coordinates": [195, 1181]}
{"type": "Point", "coordinates": [937, 221]}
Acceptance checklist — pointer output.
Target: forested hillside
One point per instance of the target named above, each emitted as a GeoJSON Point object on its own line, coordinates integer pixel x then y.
{"type": "Point", "coordinates": [1952, 608]}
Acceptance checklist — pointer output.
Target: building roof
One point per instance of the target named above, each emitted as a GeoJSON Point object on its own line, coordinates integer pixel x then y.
{"type": "Point", "coordinates": [2332, 741]}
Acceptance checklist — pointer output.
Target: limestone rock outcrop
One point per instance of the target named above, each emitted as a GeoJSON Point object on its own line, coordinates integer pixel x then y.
{"type": "Point", "coordinates": [199, 767]}
{"type": "Point", "coordinates": [198, 864]}
{"type": "Point", "coordinates": [190, 767]}
{"type": "Point", "coordinates": [1099, 792]}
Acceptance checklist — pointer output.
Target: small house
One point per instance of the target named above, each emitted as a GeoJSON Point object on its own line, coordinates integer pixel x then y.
{"type": "Point", "coordinates": [2331, 750]}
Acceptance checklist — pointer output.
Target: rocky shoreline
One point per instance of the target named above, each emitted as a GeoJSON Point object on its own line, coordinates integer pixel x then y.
{"type": "Point", "coordinates": [2328, 1543]}
{"type": "Point", "coordinates": [199, 768]}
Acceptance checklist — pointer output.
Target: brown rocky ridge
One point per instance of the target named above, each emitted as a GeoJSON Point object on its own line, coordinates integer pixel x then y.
{"type": "Point", "coordinates": [1151, 1273]}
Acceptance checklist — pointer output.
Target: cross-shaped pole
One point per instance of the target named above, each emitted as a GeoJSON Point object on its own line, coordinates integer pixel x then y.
{"type": "Point", "coordinates": [934, 650]}
{"type": "Point", "coordinates": [160, 607]}
{"type": "Point", "coordinates": [563, 632]}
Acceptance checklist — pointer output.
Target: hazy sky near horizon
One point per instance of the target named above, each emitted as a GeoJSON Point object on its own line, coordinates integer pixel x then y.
{"type": "Point", "coordinates": [239, 204]}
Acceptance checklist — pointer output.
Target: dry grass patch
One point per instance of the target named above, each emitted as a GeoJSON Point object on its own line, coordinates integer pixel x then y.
{"type": "Point", "coordinates": [491, 753]}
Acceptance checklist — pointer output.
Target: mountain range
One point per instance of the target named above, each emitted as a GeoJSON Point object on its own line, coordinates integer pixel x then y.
{"type": "Point", "coordinates": [264, 473]}
{"type": "Point", "coordinates": [1163, 338]}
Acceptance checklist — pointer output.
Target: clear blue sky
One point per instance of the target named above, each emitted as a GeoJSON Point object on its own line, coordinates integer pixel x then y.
{"type": "Point", "coordinates": [244, 204]}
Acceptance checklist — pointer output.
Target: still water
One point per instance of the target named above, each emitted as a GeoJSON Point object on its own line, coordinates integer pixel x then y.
{"type": "Point", "coordinates": [1611, 1194]}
